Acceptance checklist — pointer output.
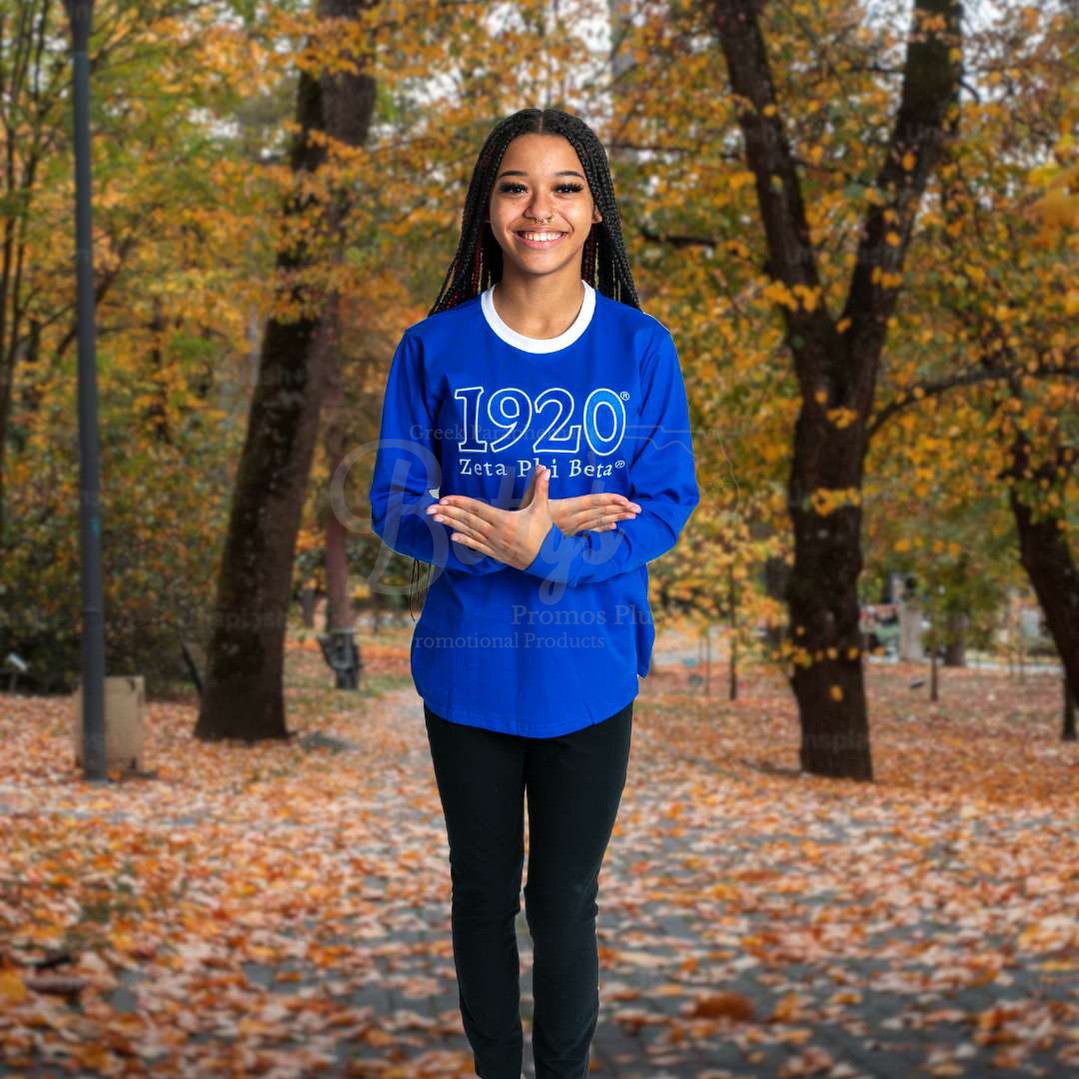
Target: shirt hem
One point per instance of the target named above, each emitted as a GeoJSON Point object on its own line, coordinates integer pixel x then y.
{"type": "Point", "coordinates": [507, 725]}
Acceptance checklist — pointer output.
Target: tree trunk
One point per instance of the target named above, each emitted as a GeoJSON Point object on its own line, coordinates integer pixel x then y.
{"type": "Point", "coordinates": [243, 695]}
{"type": "Point", "coordinates": [340, 613]}
{"type": "Point", "coordinates": [24, 111]}
{"type": "Point", "coordinates": [308, 600]}
{"type": "Point", "coordinates": [776, 576]}
{"type": "Point", "coordinates": [1068, 732]}
{"type": "Point", "coordinates": [732, 601]}
{"type": "Point", "coordinates": [155, 416]}
{"type": "Point", "coordinates": [955, 650]}
{"type": "Point", "coordinates": [1044, 551]}
{"type": "Point", "coordinates": [822, 593]}
{"type": "Point", "coordinates": [836, 359]}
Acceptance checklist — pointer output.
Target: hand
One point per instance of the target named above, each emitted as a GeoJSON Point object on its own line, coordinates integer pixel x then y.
{"type": "Point", "coordinates": [511, 536]}
{"type": "Point", "coordinates": [587, 513]}
{"type": "Point", "coordinates": [515, 536]}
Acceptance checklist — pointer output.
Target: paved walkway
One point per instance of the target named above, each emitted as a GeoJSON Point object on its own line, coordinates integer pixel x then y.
{"type": "Point", "coordinates": [749, 926]}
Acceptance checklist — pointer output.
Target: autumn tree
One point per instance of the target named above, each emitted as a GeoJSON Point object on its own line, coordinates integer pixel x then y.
{"type": "Point", "coordinates": [176, 267]}
{"type": "Point", "coordinates": [243, 694]}
{"type": "Point", "coordinates": [995, 302]}
{"type": "Point", "coordinates": [836, 358]}
{"type": "Point", "coordinates": [37, 304]}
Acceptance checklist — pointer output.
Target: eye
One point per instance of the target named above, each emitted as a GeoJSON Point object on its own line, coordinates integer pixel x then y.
{"type": "Point", "coordinates": [510, 187]}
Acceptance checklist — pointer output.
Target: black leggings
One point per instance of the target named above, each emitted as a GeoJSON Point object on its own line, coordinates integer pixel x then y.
{"type": "Point", "coordinates": [574, 783]}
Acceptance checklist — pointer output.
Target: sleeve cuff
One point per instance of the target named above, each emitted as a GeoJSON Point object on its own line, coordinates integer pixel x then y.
{"type": "Point", "coordinates": [556, 557]}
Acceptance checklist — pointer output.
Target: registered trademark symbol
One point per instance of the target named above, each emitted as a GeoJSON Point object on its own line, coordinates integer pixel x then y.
{"type": "Point", "coordinates": [624, 395]}
{"type": "Point", "coordinates": [620, 463]}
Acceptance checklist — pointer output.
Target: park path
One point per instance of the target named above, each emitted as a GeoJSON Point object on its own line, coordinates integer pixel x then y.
{"type": "Point", "coordinates": [753, 922]}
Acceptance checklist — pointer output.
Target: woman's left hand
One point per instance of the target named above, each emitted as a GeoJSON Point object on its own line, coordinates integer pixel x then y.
{"type": "Point", "coordinates": [511, 536]}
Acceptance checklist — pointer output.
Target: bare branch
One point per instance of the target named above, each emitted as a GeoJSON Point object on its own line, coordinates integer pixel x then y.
{"type": "Point", "coordinates": [972, 376]}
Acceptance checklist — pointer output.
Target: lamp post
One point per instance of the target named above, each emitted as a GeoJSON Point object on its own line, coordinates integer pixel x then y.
{"type": "Point", "coordinates": [80, 14]}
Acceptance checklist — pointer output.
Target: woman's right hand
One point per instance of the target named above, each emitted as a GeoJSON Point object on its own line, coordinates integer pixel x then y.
{"type": "Point", "coordinates": [591, 513]}
{"type": "Point", "coordinates": [586, 513]}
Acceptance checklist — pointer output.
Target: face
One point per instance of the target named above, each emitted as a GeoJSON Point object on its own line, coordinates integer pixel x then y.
{"type": "Point", "coordinates": [541, 190]}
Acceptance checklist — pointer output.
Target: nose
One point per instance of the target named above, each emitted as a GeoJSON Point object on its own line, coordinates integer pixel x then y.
{"type": "Point", "coordinates": [540, 207]}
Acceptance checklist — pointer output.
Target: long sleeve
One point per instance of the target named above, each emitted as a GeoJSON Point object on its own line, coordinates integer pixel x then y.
{"type": "Point", "coordinates": [407, 468]}
{"type": "Point", "coordinates": [662, 480]}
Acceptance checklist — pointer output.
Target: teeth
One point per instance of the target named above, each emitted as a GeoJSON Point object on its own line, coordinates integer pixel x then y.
{"type": "Point", "coordinates": [541, 235]}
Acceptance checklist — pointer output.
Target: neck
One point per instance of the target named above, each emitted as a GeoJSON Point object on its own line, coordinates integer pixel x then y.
{"type": "Point", "coordinates": [539, 305]}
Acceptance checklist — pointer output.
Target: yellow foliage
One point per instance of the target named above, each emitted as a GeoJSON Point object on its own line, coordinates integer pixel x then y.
{"type": "Point", "coordinates": [826, 501]}
{"type": "Point", "coordinates": [777, 292]}
{"type": "Point", "coordinates": [809, 296]}
{"type": "Point", "coordinates": [842, 417]}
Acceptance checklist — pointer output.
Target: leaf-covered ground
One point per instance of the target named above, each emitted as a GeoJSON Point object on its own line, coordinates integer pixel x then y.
{"type": "Point", "coordinates": [283, 910]}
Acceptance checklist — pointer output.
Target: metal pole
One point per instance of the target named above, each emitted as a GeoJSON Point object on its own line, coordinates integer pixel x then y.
{"type": "Point", "coordinates": [80, 14]}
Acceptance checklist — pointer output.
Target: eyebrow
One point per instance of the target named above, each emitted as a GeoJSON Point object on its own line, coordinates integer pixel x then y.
{"type": "Point", "coordinates": [518, 172]}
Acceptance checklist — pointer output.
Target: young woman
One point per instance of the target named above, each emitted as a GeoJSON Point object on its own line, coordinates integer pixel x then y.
{"type": "Point", "coordinates": [535, 374]}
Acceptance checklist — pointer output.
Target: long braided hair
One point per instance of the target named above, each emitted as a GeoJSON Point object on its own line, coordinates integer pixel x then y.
{"type": "Point", "coordinates": [477, 263]}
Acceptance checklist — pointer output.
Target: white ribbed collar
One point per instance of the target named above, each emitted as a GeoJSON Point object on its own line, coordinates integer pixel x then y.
{"type": "Point", "coordinates": [540, 344]}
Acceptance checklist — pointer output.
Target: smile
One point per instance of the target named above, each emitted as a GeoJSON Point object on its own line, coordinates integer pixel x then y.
{"type": "Point", "coordinates": [539, 238]}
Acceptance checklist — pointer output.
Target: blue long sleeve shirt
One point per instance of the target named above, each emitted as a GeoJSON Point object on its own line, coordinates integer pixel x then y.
{"type": "Point", "coordinates": [471, 408]}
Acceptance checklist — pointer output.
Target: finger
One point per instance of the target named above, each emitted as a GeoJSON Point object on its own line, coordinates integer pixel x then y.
{"type": "Point", "coordinates": [543, 486]}
{"type": "Point", "coordinates": [611, 520]}
{"type": "Point", "coordinates": [463, 521]}
{"type": "Point", "coordinates": [530, 490]}
{"type": "Point", "coordinates": [604, 524]}
{"type": "Point", "coordinates": [474, 506]}
{"type": "Point", "coordinates": [475, 544]}
{"type": "Point", "coordinates": [600, 521]}
{"type": "Point", "coordinates": [605, 499]}
{"type": "Point", "coordinates": [592, 507]}
{"type": "Point", "coordinates": [497, 535]}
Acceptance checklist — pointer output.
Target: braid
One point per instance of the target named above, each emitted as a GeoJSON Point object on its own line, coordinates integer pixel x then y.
{"type": "Point", "coordinates": [477, 263]}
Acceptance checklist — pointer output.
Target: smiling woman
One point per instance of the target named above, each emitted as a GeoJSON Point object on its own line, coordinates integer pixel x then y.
{"type": "Point", "coordinates": [541, 213]}
{"type": "Point", "coordinates": [536, 626]}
